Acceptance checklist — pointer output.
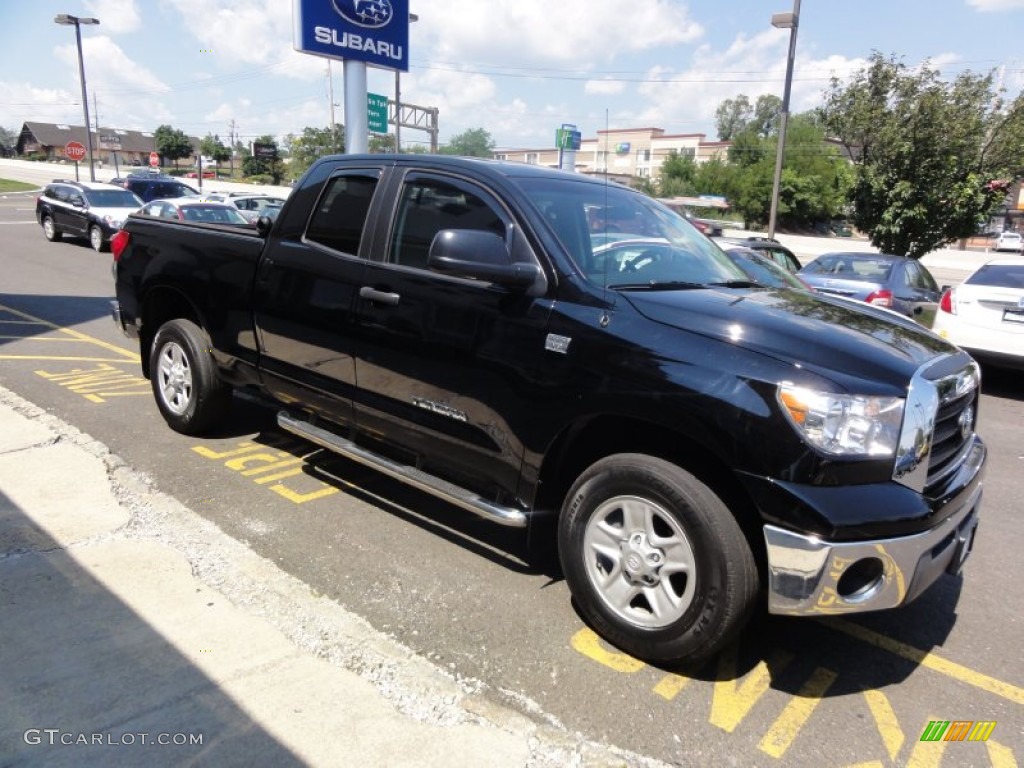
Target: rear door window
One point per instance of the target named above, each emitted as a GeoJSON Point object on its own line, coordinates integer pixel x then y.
{"type": "Point", "coordinates": [340, 216]}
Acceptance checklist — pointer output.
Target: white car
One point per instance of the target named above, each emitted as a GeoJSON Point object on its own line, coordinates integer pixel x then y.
{"type": "Point", "coordinates": [250, 205]}
{"type": "Point", "coordinates": [1008, 241]}
{"type": "Point", "coordinates": [985, 313]}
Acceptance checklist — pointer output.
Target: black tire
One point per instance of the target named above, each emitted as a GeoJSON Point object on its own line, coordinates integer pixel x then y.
{"type": "Point", "coordinates": [629, 527]}
{"type": "Point", "coordinates": [190, 395]}
{"type": "Point", "coordinates": [96, 240]}
{"type": "Point", "coordinates": [50, 231]}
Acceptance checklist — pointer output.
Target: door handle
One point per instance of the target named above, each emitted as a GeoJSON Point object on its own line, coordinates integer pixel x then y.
{"type": "Point", "coordinates": [381, 297]}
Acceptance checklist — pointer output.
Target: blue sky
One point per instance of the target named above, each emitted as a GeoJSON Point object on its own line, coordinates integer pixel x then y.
{"type": "Point", "coordinates": [517, 68]}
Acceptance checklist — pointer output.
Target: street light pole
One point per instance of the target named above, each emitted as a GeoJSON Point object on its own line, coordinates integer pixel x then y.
{"type": "Point", "coordinates": [68, 19]}
{"type": "Point", "coordinates": [790, 21]}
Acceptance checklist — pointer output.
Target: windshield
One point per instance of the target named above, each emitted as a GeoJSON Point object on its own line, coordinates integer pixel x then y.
{"type": "Point", "coordinates": [112, 198]}
{"type": "Point", "coordinates": [850, 267]}
{"type": "Point", "coordinates": [999, 275]}
{"type": "Point", "coordinates": [621, 239]}
{"type": "Point", "coordinates": [220, 214]}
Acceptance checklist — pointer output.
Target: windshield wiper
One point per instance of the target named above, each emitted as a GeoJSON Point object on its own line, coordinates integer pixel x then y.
{"type": "Point", "coordinates": [655, 285]}
{"type": "Point", "coordinates": [738, 284]}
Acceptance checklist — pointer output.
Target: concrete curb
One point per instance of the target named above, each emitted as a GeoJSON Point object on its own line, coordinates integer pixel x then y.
{"type": "Point", "coordinates": [126, 613]}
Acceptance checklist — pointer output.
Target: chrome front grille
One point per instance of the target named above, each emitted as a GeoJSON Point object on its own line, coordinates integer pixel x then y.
{"type": "Point", "coordinates": [953, 435]}
{"type": "Point", "coordinates": [938, 426]}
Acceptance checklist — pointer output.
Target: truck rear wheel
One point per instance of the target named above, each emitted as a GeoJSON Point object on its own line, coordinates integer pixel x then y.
{"type": "Point", "coordinates": [190, 395]}
{"type": "Point", "coordinates": [654, 559]}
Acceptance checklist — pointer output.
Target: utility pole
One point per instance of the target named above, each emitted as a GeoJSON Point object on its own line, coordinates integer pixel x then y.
{"type": "Point", "coordinates": [330, 100]}
{"type": "Point", "coordinates": [231, 134]}
{"type": "Point", "coordinates": [96, 120]}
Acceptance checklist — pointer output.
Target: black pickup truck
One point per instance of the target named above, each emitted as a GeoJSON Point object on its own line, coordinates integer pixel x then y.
{"type": "Point", "coordinates": [525, 342]}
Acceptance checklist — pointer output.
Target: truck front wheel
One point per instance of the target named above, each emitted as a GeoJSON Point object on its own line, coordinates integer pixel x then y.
{"type": "Point", "coordinates": [190, 395]}
{"type": "Point", "coordinates": [654, 559]}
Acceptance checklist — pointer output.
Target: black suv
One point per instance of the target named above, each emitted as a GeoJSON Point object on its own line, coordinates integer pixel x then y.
{"type": "Point", "coordinates": [155, 187]}
{"type": "Point", "coordinates": [766, 246]}
{"type": "Point", "coordinates": [84, 209]}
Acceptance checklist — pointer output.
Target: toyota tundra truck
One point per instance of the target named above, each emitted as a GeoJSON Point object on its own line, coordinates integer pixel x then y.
{"type": "Point", "coordinates": [481, 331]}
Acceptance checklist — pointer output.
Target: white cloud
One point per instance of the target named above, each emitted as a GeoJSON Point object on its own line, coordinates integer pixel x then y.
{"type": "Point", "coordinates": [545, 33]}
{"type": "Point", "coordinates": [124, 88]}
{"type": "Point", "coordinates": [603, 87]}
{"type": "Point", "coordinates": [987, 6]}
{"type": "Point", "coordinates": [116, 16]}
{"type": "Point", "coordinates": [685, 101]}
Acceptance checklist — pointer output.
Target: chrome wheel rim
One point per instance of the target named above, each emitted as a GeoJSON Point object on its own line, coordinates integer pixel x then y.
{"type": "Point", "coordinates": [96, 238]}
{"type": "Point", "coordinates": [639, 561]}
{"type": "Point", "coordinates": [48, 228]}
{"type": "Point", "coordinates": [175, 378]}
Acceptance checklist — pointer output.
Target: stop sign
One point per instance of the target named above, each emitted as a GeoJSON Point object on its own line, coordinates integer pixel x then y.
{"type": "Point", "coordinates": [154, 159]}
{"type": "Point", "coordinates": [74, 150]}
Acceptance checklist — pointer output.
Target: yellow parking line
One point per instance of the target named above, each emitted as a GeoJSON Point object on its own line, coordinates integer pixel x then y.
{"type": "Point", "coordinates": [128, 355]}
{"type": "Point", "coordinates": [931, 661]}
{"type": "Point", "coordinates": [66, 358]}
{"type": "Point", "coordinates": [44, 338]}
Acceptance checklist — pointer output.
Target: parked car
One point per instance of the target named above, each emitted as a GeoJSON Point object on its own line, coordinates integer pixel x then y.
{"type": "Point", "coordinates": [194, 209]}
{"type": "Point", "coordinates": [84, 209]}
{"type": "Point", "coordinates": [899, 283]}
{"type": "Point", "coordinates": [1008, 241]}
{"type": "Point", "coordinates": [155, 186]}
{"type": "Point", "coordinates": [206, 175]}
{"type": "Point", "coordinates": [766, 246]}
{"type": "Point", "coordinates": [249, 205]}
{"type": "Point", "coordinates": [985, 313]}
{"type": "Point", "coordinates": [763, 270]}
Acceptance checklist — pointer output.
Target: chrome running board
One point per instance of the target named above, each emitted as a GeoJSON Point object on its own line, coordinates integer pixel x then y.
{"type": "Point", "coordinates": [435, 486]}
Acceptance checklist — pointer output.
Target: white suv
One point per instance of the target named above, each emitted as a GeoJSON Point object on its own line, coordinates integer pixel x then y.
{"type": "Point", "coordinates": [1008, 241]}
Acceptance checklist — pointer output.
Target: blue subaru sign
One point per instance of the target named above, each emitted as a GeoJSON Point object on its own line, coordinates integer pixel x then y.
{"type": "Point", "coordinates": [374, 31]}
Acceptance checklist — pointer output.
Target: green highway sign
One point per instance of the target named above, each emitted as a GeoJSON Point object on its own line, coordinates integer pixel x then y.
{"type": "Point", "coordinates": [377, 112]}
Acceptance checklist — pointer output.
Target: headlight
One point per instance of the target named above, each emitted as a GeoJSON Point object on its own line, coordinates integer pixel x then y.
{"type": "Point", "coordinates": [112, 222]}
{"type": "Point", "coordinates": [844, 425]}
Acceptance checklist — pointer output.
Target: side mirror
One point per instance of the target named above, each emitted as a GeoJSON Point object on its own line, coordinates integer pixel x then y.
{"type": "Point", "coordinates": [479, 255]}
{"type": "Point", "coordinates": [263, 225]}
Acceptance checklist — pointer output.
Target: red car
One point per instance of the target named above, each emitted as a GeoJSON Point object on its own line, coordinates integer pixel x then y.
{"type": "Point", "coordinates": [206, 175]}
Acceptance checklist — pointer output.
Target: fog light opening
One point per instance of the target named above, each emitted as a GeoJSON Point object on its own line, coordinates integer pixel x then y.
{"type": "Point", "coordinates": [861, 580]}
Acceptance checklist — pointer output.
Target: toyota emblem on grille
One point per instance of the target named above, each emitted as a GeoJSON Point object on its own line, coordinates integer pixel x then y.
{"type": "Point", "coordinates": [966, 422]}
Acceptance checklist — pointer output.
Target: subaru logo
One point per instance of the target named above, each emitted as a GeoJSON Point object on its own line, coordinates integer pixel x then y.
{"type": "Point", "coordinates": [966, 422]}
{"type": "Point", "coordinates": [372, 14]}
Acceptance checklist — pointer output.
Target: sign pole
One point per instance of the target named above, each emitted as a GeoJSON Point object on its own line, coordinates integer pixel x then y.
{"type": "Point", "coordinates": [76, 170]}
{"type": "Point", "coordinates": [356, 120]}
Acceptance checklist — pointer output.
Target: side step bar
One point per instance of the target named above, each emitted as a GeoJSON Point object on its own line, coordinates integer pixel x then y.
{"type": "Point", "coordinates": [460, 497]}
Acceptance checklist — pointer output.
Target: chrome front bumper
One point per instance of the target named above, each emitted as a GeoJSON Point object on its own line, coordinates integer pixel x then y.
{"type": "Point", "coordinates": [808, 576]}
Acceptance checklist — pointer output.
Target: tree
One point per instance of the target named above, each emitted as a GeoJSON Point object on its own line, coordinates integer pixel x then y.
{"type": "Point", "coordinates": [313, 144]}
{"type": "Point", "coordinates": [380, 144]}
{"type": "Point", "coordinates": [678, 175]}
{"type": "Point", "coordinates": [933, 158]}
{"type": "Point", "coordinates": [172, 144]}
{"type": "Point", "coordinates": [476, 142]}
{"type": "Point", "coordinates": [253, 165]}
{"type": "Point", "coordinates": [732, 117]}
{"type": "Point", "coordinates": [8, 139]}
{"type": "Point", "coordinates": [767, 113]}
{"type": "Point", "coordinates": [211, 146]}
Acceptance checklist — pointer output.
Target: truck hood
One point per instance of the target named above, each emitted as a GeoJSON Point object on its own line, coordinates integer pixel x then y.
{"type": "Point", "coordinates": [832, 337]}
